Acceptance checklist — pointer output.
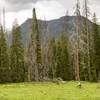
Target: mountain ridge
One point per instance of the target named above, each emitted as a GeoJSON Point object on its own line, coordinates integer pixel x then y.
{"type": "Point", "coordinates": [55, 27]}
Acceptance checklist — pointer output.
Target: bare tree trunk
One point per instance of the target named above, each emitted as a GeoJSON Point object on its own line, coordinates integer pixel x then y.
{"type": "Point", "coordinates": [77, 54]}
{"type": "Point", "coordinates": [29, 74]}
{"type": "Point", "coordinates": [46, 52]}
{"type": "Point", "coordinates": [77, 12]}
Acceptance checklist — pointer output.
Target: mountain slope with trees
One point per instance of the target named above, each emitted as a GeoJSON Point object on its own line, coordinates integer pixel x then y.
{"type": "Point", "coordinates": [55, 27]}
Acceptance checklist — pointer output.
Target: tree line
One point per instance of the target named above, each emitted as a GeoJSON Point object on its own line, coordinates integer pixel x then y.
{"type": "Point", "coordinates": [74, 58]}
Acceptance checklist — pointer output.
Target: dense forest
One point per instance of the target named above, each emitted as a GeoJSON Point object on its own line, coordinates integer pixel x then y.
{"type": "Point", "coordinates": [63, 58]}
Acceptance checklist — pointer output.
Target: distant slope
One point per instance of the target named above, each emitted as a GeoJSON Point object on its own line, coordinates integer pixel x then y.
{"type": "Point", "coordinates": [55, 27]}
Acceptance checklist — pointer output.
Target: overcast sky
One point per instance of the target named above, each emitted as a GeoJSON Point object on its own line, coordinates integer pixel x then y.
{"type": "Point", "coordinates": [46, 9]}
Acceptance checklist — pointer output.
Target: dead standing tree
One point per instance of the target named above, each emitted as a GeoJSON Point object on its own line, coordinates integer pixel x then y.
{"type": "Point", "coordinates": [34, 52]}
{"type": "Point", "coordinates": [77, 21]}
{"type": "Point", "coordinates": [86, 41]}
{"type": "Point", "coordinates": [46, 55]}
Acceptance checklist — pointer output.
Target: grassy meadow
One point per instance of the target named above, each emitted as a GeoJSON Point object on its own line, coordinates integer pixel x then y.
{"type": "Point", "coordinates": [50, 91]}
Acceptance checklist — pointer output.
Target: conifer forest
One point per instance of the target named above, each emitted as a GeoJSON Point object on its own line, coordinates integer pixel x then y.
{"type": "Point", "coordinates": [43, 59]}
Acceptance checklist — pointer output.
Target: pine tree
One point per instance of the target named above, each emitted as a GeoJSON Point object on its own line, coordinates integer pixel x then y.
{"type": "Point", "coordinates": [52, 70]}
{"type": "Point", "coordinates": [96, 49]}
{"type": "Point", "coordinates": [34, 52]}
{"type": "Point", "coordinates": [85, 37]}
{"type": "Point", "coordinates": [64, 67]}
{"type": "Point", "coordinates": [17, 55]}
{"type": "Point", "coordinates": [58, 59]}
{"type": "Point", "coordinates": [4, 58]}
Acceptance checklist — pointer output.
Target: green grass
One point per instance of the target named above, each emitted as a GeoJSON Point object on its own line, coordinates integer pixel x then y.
{"type": "Point", "coordinates": [50, 91]}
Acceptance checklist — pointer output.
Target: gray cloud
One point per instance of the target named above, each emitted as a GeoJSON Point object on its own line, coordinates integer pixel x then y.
{"type": "Point", "coordinates": [17, 5]}
{"type": "Point", "coordinates": [15, 2]}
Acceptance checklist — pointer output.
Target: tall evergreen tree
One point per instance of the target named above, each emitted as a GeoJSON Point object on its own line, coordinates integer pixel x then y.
{"type": "Point", "coordinates": [85, 37]}
{"type": "Point", "coordinates": [17, 55]}
{"type": "Point", "coordinates": [52, 70]}
{"type": "Point", "coordinates": [96, 49]}
{"type": "Point", "coordinates": [4, 58]}
{"type": "Point", "coordinates": [63, 68]}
